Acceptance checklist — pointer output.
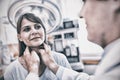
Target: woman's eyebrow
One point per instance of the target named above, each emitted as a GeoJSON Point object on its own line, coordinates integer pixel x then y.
{"type": "Point", "coordinates": [24, 27]}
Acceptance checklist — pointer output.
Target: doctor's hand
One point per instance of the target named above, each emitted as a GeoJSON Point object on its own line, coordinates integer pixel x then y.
{"type": "Point", "coordinates": [47, 58]}
{"type": "Point", "coordinates": [32, 61]}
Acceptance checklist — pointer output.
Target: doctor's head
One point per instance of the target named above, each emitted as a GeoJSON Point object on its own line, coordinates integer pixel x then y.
{"type": "Point", "coordinates": [102, 20]}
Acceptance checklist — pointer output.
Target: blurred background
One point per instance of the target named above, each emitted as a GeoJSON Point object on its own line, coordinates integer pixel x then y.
{"type": "Point", "coordinates": [68, 38]}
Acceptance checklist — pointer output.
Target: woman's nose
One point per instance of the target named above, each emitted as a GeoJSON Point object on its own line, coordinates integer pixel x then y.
{"type": "Point", "coordinates": [34, 31]}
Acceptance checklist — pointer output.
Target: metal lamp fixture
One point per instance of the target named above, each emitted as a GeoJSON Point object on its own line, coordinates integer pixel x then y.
{"type": "Point", "coordinates": [48, 11]}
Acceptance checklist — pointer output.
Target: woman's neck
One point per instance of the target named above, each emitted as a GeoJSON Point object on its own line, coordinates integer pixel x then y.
{"type": "Point", "coordinates": [42, 66]}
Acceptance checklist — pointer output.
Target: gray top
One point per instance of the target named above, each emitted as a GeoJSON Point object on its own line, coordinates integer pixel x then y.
{"type": "Point", "coordinates": [15, 71]}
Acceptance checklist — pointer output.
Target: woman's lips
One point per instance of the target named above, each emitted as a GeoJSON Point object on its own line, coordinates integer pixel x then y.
{"type": "Point", "coordinates": [35, 38]}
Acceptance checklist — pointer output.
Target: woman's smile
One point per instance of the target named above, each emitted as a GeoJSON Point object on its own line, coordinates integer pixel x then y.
{"type": "Point", "coordinates": [35, 38]}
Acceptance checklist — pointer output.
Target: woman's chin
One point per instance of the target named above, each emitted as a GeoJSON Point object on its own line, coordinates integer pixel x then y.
{"type": "Point", "coordinates": [36, 47]}
{"type": "Point", "coordinates": [36, 44]}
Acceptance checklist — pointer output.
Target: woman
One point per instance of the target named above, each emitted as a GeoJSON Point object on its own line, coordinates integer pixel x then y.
{"type": "Point", "coordinates": [32, 39]}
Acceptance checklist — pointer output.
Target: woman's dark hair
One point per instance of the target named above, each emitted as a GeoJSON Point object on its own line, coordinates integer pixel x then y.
{"type": "Point", "coordinates": [31, 17]}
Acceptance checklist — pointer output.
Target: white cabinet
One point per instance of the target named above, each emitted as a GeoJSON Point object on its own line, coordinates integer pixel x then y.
{"type": "Point", "coordinates": [66, 41]}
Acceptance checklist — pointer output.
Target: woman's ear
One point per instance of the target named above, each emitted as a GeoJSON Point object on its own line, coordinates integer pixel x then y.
{"type": "Point", "coordinates": [19, 37]}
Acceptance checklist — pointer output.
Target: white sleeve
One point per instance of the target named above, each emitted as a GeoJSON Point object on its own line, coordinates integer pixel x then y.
{"type": "Point", "coordinates": [68, 74]}
{"type": "Point", "coordinates": [32, 76]}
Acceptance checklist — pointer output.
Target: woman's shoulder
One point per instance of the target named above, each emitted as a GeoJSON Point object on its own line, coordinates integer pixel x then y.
{"type": "Point", "coordinates": [12, 66]}
{"type": "Point", "coordinates": [15, 71]}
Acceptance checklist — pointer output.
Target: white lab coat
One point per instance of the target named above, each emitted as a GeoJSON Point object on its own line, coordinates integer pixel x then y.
{"type": "Point", "coordinates": [108, 69]}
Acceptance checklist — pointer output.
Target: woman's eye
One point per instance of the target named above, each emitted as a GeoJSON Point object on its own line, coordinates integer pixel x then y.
{"type": "Point", "coordinates": [37, 26]}
{"type": "Point", "coordinates": [27, 29]}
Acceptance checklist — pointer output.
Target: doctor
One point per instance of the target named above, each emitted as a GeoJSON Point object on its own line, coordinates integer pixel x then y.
{"type": "Point", "coordinates": [103, 26]}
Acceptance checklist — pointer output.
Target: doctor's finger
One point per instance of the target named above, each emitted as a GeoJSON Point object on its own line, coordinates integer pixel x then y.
{"type": "Point", "coordinates": [35, 56]}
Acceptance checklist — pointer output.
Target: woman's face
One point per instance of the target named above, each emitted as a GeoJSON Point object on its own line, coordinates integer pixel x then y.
{"type": "Point", "coordinates": [32, 34]}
